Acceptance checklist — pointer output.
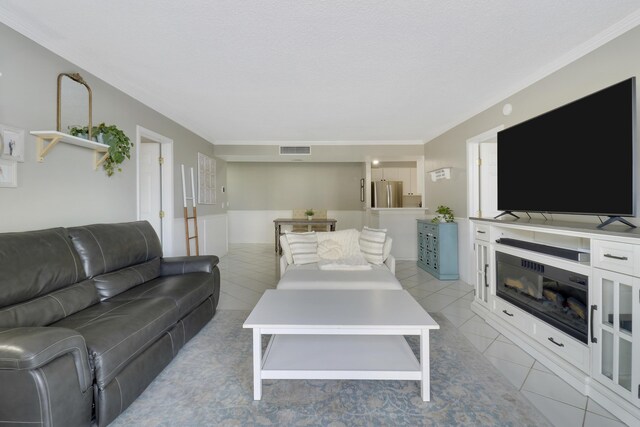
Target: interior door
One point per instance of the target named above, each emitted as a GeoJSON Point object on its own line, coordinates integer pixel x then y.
{"type": "Point", "coordinates": [488, 178]}
{"type": "Point", "coordinates": [150, 175]}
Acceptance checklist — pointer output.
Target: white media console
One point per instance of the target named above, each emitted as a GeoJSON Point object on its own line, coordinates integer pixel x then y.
{"type": "Point", "coordinates": [589, 278]}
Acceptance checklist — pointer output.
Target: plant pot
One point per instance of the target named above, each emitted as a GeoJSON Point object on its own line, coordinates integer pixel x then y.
{"type": "Point", "coordinates": [309, 217]}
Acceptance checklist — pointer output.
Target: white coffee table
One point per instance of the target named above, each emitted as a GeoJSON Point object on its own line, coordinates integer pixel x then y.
{"type": "Point", "coordinates": [339, 334]}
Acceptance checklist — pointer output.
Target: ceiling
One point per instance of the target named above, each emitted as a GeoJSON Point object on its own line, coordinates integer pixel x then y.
{"type": "Point", "coordinates": [332, 70]}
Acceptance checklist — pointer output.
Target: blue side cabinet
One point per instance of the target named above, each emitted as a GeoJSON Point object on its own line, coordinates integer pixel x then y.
{"type": "Point", "coordinates": [438, 249]}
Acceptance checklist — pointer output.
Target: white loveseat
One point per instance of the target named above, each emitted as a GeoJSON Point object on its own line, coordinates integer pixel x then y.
{"type": "Point", "coordinates": [340, 264]}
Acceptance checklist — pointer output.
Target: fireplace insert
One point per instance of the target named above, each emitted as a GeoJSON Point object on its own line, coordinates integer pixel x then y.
{"type": "Point", "coordinates": [556, 296]}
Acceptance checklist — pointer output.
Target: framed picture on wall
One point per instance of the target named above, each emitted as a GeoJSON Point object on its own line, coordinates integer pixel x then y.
{"type": "Point", "coordinates": [8, 173]}
{"type": "Point", "coordinates": [206, 180]}
{"type": "Point", "coordinates": [12, 141]}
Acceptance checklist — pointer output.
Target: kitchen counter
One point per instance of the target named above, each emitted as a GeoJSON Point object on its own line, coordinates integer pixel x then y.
{"type": "Point", "coordinates": [401, 227]}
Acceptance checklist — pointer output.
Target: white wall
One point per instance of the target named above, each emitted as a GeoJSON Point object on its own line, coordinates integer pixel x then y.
{"type": "Point", "coordinates": [611, 63]}
{"type": "Point", "coordinates": [65, 190]}
{"type": "Point", "coordinates": [212, 236]}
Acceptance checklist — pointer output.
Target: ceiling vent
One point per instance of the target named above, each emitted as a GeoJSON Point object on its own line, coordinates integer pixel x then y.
{"type": "Point", "coordinates": [296, 151]}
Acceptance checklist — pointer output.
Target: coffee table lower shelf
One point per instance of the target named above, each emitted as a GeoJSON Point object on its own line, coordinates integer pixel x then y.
{"type": "Point", "coordinates": [349, 357]}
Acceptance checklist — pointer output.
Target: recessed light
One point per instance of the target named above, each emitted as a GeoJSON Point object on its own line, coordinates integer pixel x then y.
{"type": "Point", "coordinates": [376, 162]}
{"type": "Point", "coordinates": [507, 109]}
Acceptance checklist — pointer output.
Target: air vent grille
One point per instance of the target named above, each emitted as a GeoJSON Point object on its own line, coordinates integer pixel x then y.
{"type": "Point", "coordinates": [295, 150]}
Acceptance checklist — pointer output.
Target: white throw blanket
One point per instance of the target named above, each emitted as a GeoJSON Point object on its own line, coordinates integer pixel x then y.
{"type": "Point", "coordinates": [352, 263]}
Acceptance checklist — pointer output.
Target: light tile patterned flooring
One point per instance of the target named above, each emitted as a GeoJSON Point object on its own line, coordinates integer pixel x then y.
{"type": "Point", "coordinates": [250, 269]}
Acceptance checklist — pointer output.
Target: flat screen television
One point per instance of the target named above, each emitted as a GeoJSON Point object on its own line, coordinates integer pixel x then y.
{"type": "Point", "coordinates": [576, 159]}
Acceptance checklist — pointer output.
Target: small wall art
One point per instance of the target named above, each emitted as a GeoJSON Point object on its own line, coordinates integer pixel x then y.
{"type": "Point", "coordinates": [8, 173]}
{"type": "Point", "coordinates": [12, 141]}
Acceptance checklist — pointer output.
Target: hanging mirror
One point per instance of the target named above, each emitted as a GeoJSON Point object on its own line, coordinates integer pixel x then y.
{"type": "Point", "coordinates": [76, 94]}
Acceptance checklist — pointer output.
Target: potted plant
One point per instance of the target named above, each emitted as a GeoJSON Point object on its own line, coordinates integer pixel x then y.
{"type": "Point", "coordinates": [118, 142]}
{"type": "Point", "coordinates": [445, 214]}
{"type": "Point", "coordinates": [309, 213]}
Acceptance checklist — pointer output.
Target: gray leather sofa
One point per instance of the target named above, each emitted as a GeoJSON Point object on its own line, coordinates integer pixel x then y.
{"type": "Point", "coordinates": [89, 316]}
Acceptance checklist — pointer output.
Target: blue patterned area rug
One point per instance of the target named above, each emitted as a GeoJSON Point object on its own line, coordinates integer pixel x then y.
{"type": "Point", "coordinates": [210, 383]}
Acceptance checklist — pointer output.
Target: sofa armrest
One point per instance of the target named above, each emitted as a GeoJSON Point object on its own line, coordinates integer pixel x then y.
{"type": "Point", "coordinates": [283, 265]}
{"type": "Point", "coordinates": [391, 263]}
{"type": "Point", "coordinates": [188, 264]}
{"type": "Point", "coordinates": [34, 347]}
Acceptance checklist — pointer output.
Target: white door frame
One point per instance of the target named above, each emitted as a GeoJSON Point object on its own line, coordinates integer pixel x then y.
{"type": "Point", "coordinates": [167, 183]}
{"type": "Point", "coordinates": [473, 149]}
{"type": "Point", "coordinates": [473, 184]}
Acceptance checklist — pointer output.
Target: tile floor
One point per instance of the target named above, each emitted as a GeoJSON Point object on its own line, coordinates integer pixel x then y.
{"type": "Point", "coordinates": [249, 269]}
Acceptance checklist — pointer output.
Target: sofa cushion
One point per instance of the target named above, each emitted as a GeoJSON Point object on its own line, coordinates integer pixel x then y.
{"type": "Point", "coordinates": [187, 291]}
{"type": "Point", "coordinates": [36, 263]}
{"type": "Point", "coordinates": [304, 247]}
{"type": "Point", "coordinates": [309, 276]}
{"type": "Point", "coordinates": [118, 331]}
{"type": "Point", "coordinates": [116, 282]}
{"type": "Point", "coordinates": [50, 308]}
{"type": "Point", "coordinates": [104, 248]}
{"type": "Point", "coordinates": [372, 244]}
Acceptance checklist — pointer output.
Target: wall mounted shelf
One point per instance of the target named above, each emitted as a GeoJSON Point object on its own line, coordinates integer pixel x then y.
{"type": "Point", "coordinates": [47, 139]}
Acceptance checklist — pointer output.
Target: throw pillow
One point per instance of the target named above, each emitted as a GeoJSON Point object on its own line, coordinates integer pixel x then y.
{"type": "Point", "coordinates": [286, 250]}
{"type": "Point", "coordinates": [372, 244]}
{"type": "Point", "coordinates": [304, 247]}
{"type": "Point", "coordinates": [329, 249]}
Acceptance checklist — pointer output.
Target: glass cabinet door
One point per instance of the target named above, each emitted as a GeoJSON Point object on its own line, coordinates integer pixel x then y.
{"type": "Point", "coordinates": [482, 267]}
{"type": "Point", "coordinates": [615, 328]}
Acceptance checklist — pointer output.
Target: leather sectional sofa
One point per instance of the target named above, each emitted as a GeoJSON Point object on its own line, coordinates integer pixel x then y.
{"type": "Point", "coordinates": [89, 316]}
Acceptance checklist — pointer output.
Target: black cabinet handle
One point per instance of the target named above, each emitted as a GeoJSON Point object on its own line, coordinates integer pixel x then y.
{"type": "Point", "coordinates": [486, 281]}
{"type": "Point", "coordinates": [622, 258]}
{"type": "Point", "coordinates": [559, 344]}
{"type": "Point", "coordinates": [507, 313]}
{"type": "Point", "coordinates": [481, 232]}
{"type": "Point", "coordinates": [593, 308]}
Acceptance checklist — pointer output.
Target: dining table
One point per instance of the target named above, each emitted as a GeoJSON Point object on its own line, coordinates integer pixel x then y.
{"type": "Point", "coordinates": [279, 222]}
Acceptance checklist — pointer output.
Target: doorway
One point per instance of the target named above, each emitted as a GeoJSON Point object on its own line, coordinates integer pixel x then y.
{"type": "Point", "coordinates": [482, 179]}
{"type": "Point", "coordinates": [155, 184]}
{"type": "Point", "coordinates": [482, 164]}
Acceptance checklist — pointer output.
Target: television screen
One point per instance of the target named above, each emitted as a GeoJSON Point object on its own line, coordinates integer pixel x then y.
{"type": "Point", "coordinates": [576, 159]}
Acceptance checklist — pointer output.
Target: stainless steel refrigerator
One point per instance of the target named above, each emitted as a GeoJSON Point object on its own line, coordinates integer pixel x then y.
{"type": "Point", "coordinates": [386, 194]}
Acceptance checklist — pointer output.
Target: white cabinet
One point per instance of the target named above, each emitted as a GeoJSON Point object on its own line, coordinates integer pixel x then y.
{"type": "Point", "coordinates": [615, 328]}
{"type": "Point", "coordinates": [600, 353]}
{"type": "Point", "coordinates": [482, 265]}
{"type": "Point", "coordinates": [482, 269]}
{"type": "Point", "coordinates": [616, 256]}
{"type": "Point", "coordinates": [391, 174]}
{"type": "Point", "coordinates": [561, 344]}
{"type": "Point", "coordinates": [408, 176]}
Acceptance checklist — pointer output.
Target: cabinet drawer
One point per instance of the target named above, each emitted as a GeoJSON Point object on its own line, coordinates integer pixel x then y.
{"type": "Point", "coordinates": [563, 345]}
{"type": "Point", "coordinates": [615, 256]}
{"type": "Point", "coordinates": [427, 227]}
{"type": "Point", "coordinates": [513, 315]}
{"type": "Point", "coordinates": [482, 232]}
{"type": "Point", "coordinates": [431, 228]}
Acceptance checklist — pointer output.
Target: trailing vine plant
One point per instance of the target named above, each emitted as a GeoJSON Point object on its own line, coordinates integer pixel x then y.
{"type": "Point", "coordinates": [118, 142]}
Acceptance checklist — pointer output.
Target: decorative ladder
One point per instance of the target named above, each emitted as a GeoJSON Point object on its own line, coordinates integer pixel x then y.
{"type": "Point", "coordinates": [188, 238]}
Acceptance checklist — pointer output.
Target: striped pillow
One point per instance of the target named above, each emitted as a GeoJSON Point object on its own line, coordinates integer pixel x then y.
{"type": "Point", "coordinates": [304, 247]}
{"type": "Point", "coordinates": [372, 244]}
